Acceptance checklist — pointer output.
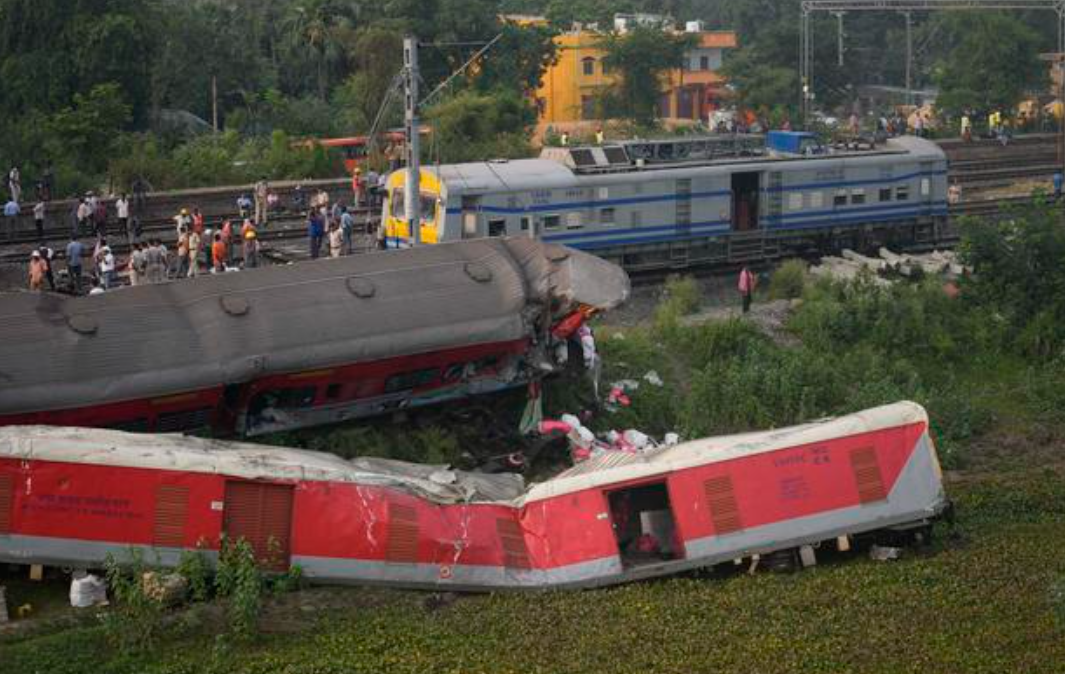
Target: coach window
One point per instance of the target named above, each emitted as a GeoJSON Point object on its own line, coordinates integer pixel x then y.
{"type": "Point", "coordinates": [497, 227]}
{"type": "Point", "coordinates": [410, 380]}
{"type": "Point", "coordinates": [885, 194]}
{"type": "Point", "coordinates": [552, 222]}
{"type": "Point", "coordinates": [902, 193]}
{"type": "Point", "coordinates": [926, 187]}
{"type": "Point", "coordinates": [858, 196]}
{"type": "Point", "coordinates": [526, 223]}
{"type": "Point", "coordinates": [606, 216]}
{"type": "Point", "coordinates": [574, 220]}
{"type": "Point", "coordinates": [840, 199]}
{"type": "Point", "coordinates": [795, 201]}
{"type": "Point", "coordinates": [817, 199]}
{"type": "Point", "coordinates": [636, 219]}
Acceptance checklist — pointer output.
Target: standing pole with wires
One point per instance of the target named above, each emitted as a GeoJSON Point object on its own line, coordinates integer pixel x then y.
{"type": "Point", "coordinates": [412, 202]}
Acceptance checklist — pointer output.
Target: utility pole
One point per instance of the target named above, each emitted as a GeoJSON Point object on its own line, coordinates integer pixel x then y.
{"type": "Point", "coordinates": [909, 57]}
{"type": "Point", "coordinates": [412, 203]}
{"type": "Point", "coordinates": [840, 48]}
{"type": "Point", "coordinates": [214, 102]}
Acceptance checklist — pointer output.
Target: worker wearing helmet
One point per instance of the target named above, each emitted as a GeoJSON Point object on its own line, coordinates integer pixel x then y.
{"type": "Point", "coordinates": [183, 221]}
{"type": "Point", "coordinates": [251, 248]}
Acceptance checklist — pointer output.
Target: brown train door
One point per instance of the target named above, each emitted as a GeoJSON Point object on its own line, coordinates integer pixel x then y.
{"type": "Point", "coordinates": [261, 514]}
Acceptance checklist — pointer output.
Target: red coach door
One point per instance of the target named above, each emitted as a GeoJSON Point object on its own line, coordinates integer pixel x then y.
{"type": "Point", "coordinates": [261, 514]}
{"type": "Point", "coordinates": [7, 500]}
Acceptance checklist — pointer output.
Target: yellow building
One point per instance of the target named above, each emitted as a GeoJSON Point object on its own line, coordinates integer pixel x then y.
{"type": "Point", "coordinates": [571, 86]}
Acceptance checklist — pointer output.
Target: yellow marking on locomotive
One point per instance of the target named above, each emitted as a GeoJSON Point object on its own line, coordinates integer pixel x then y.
{"type": "Point", "coordinates": [394, 223]}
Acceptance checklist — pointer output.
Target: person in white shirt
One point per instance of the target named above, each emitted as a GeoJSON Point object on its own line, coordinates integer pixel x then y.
{"type": "Point", "coordinates": [122, 208]}
{"type": "Point", "coordinates": [107, 268]}
{"type": "Point", "coordinates": [38, 220]}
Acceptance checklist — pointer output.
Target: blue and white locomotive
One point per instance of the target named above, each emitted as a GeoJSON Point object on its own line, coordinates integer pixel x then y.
{"type": "Point", "coordinates": [693, 200]}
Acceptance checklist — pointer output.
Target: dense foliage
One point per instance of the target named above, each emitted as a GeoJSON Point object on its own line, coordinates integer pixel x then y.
{"type": "Point", "coordinates": [78, 77]}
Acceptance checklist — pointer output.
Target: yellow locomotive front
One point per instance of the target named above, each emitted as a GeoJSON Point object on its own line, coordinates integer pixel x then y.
{"type": "Point", "coordinates": [395, 229]}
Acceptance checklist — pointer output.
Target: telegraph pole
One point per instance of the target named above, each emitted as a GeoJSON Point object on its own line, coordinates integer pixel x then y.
{"type": "Point", "coordinates": [412, 203]}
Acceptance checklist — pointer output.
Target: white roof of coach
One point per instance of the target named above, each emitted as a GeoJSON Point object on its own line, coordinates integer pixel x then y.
{"type": "Point", "coordinates": [437, 483]}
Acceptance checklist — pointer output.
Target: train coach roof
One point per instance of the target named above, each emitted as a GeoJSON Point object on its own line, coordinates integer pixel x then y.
{"type": "Point", "coordinates": [177, 452]}
{"type": "Point", "coordinates": [437, 483]}
{"type": "Point", "coordinates": [61, 352]}
{"type": "Point", "coordinates": [505, 176]}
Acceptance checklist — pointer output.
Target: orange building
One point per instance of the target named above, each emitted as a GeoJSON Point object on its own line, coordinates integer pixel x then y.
{"type": "Point", "coordinates": [571, 87]}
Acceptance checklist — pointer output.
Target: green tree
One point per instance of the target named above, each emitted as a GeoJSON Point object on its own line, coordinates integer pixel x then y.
{"type": "Point", "coordinates": [473, 126]}
{"type": "Point", "coordinates": [642, 58]}
{"type": "Point", "coordinates": [317, 28]}
{"type": "Point", "coordinates": [88, 129]}
{"type": "Point", "coordinates": [993, 64]}
{"type": "Point", "coordinates": [519, 59]}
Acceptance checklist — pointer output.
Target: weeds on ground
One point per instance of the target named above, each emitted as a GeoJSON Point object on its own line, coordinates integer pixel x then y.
{"type": "Point", "coordinates": [788, 281]}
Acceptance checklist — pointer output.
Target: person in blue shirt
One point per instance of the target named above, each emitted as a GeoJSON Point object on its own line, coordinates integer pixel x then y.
{"type": "Point", "coordinates": [75, 250]}
{"type": "Point", "coordinates": [347, 228]}
{"type": "Point", "coordinates": [315, 231]}
{"type": "Point", "coordinates": [11, 211]}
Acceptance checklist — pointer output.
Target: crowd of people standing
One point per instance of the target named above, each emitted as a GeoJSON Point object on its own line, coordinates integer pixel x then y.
{"type": "Point", "coordinates": [196, 248]}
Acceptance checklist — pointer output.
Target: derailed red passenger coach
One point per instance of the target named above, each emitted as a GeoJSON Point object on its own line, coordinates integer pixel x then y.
{"type": "Point", "coordinates": [73, 496]}
{"type": "Point", "coordinates": [298, 345]}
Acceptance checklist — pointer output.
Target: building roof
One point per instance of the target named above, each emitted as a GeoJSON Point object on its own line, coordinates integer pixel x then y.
{"type": "Point", "coordinates": [62, 352]}
{"type": "Point", "coordinates": [718, 39]}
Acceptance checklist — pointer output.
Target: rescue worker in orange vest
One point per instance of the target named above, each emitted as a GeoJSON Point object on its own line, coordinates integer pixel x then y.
{"type": "Point", "coordinates": [218, 254]}
{"type": "Point", "coordinates": [37, 271]}
{"type": "Point", "coordinates": [746, 286]}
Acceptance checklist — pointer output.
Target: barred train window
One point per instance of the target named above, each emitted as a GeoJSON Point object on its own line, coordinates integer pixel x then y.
{"type": "Point", "coordinates": [858, 196]}
{"type": "Point", "coordinates": [885, 194]}
{"type": "Point", "coordinates": [840, 199]}
{"type": "Point", "coordinates": [817, 199]}
{"type": "Point", "coordinates": [795, 201]}
{"type": "Point", "coordinates": [902, 193]}
{"type": "Point", "coordinates": [574, 221]}
{"type": "Point", "coordinates": [552, 222]}
{"type": "Point", "coordinates": [606, 216]}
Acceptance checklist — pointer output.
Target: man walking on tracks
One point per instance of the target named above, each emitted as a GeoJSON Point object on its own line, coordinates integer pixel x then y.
{"type": "Point", "coordinates": [122, 210]}
{"type": "Point", "coordinates": [11, 212]}
{"type": "Point", "coordinates": [261, 191]}
{"type": "Point", "coordinates": [746, 286]}
{"type": "Point", "coordinates": [74, 252]}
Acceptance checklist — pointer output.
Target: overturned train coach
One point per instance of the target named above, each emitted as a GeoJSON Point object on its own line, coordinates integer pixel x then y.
{"type": "Point", "coordinates": [294, 346]}
{"type": "Point", "coordinates": [73, 496]}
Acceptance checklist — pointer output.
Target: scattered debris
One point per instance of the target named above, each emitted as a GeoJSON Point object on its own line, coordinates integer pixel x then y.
{"type": "Point", "coordinates": [585, 444]}
{"type": "Point", "coordinates": [87, 590]}
{"type": "Point", "coordinates": [852, 264]}
{"type": "Point", "coordinates": [653, 379]}
{"type": "Point", "coordinates": [165, 588]}
{"type": "Point", "coordinates": [883, 553]}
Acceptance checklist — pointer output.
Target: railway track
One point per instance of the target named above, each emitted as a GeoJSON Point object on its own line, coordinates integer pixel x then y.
{"type": "Point", "coordinates": [282, 228]}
